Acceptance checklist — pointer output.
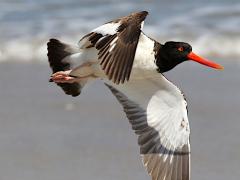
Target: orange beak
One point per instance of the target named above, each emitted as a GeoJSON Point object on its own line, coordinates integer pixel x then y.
{"type": "Point", "coordinates": [194, 57]}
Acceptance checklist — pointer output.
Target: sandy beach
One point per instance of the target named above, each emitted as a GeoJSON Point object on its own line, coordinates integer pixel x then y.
{"type": "Point", "coordinates": [45, 134]}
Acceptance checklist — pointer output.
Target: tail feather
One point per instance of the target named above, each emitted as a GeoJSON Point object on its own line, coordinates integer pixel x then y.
{"type": "Point", "coordinates": [57, 51]}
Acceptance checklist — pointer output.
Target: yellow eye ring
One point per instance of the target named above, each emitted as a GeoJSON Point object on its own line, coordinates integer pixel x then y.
{"type": "Point", "coordinates": [180, 49]}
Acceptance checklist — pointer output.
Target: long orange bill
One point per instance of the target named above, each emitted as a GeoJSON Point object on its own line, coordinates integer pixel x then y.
{"type": "Point", "coordinates": [194, 57]}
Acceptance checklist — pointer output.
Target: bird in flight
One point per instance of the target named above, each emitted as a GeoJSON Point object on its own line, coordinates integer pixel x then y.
{"type": "Point", "coordinates": [131, 65]}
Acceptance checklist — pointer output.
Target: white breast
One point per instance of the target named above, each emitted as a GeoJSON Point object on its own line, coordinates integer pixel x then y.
{"type": "Point", "coordinates": [144, 57]}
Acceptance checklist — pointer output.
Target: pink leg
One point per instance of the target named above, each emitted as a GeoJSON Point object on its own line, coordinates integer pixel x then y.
{"type": "Point", "coordinates": [63, 77]}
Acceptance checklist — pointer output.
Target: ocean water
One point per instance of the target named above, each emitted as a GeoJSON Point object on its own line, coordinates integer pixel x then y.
{"type": "Point", "coordinates": [211, 26]}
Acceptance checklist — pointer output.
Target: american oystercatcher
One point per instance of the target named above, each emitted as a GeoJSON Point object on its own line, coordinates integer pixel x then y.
{"type": "Point", "coordinates": [131, 64]}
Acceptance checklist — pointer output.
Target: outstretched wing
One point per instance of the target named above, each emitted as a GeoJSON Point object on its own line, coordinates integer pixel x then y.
{"type": "Point", "coordinates": [116, 43]}
{"type": "Point", "coordinates": [159, 118]}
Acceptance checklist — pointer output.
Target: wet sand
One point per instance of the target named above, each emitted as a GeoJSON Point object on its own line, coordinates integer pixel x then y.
{"type": "Point", "coordinates": [45, 134]}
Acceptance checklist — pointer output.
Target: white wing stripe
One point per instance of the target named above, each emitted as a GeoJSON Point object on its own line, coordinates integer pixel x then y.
{"type": "Point", "coordinates": [107, 29]}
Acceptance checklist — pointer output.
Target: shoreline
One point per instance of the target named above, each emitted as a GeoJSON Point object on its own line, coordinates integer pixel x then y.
{"type": "Point", "coordinates": [45, 134]}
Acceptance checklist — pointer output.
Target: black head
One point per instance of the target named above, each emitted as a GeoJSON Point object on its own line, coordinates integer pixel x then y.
{"type": "Point", "coordinates": [173, 53]}
{"type": "Point", "coordinates": [177, 50]}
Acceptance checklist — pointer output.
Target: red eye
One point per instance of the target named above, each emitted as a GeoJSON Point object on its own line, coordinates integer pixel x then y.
{"type": "Point", "coordinates": [180, 49]}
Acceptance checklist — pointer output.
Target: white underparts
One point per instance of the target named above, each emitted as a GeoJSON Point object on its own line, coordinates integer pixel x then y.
{"type": "Point", "coordinates": [144, 57]}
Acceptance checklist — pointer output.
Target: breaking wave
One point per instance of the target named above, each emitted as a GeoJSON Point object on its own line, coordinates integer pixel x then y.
{"type": "Point", "coordinates": [212, 30]}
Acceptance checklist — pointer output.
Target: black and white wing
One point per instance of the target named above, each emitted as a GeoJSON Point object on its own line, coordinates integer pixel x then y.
{"type": "Point", "coordinates": [157, 112]}
{"type": "Point", "coordinates": [116, 43]}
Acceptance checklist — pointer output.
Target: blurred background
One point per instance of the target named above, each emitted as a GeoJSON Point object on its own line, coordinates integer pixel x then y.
{"type": "Point", "coordinates": [45, 134]}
